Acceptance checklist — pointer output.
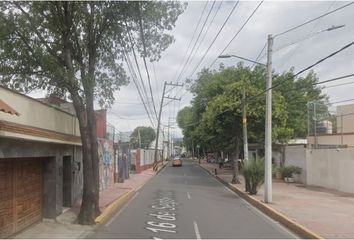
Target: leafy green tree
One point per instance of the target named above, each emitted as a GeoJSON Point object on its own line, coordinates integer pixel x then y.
{"type": "Point", "coordinates": [216, 109]}
{"type": "Point", "coordinates": [142, 137]}
{"type": "Point", "coordinates": [297, 93]}
{"type": "Point", "coordinates": [77, 49]}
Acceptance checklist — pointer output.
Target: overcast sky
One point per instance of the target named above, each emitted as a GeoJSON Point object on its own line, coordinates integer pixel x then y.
{"type": "Point", "coordinates": [271, 18]}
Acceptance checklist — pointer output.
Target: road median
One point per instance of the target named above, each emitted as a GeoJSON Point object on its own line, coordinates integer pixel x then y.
{"type": "Point", "coordinates": [268, 210]}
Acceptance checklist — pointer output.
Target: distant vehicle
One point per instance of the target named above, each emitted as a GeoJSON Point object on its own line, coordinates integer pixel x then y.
{"type": "Point", "coordinates": [176, 162]}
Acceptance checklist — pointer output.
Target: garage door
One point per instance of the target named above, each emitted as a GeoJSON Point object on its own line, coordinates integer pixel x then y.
{"type": "Point", "coordinates": [20, 194]}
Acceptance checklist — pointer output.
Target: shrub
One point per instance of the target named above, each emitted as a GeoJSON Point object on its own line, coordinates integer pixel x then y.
{"type": "Point", "coordinates": [253, 172]}
{"type": "Point", "coordinates": [288, 171]}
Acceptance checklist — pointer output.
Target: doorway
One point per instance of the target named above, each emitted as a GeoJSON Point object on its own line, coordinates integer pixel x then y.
{"type": "Point", "coordinates": [67, 181]}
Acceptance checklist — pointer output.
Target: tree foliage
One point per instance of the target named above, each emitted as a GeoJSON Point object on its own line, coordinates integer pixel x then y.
{"type": "Point", "coordinates": [77, 49]}
{"type": "Point", "coordinates": [214, 118]}
{"type": "Point", "coordinates": [143, 136]}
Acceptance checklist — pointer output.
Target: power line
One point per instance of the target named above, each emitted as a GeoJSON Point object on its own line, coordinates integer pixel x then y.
{"type": "Point", "coordinates": [190, 42]}
{"type": "Point", "coordinates": [307, 68]}
{"type": "Point", "coordinates": [237, 33]}
{"type": "Point", "coordinates": [337, 85]}
{"type": "Point", "coordinates": [310, 32]}
{"type": "Point", "coordinates": [322, 82]}
{"type": "Point", "coordinates": [195, 43]}
{"type": "Point", "coordinates": [144, 91]}
{"type": "Point", "coordinates": [342, 101]}
{"type": "Point", "coordinates": [144, 59]}
{"type": "Point", "coordinates": [216, 36]}
{"type": "Point", "coordinates": [155, 77]}
{"type": "Point", "coordinates": [138, 88]}
{"type": "Point", "coordinates": [134, 78]}
{"type": "Point", "coordinates": [210, 23]}
{"type": "Point", "coordinates": [312, 20]}
{"type": "Point", "coordinates": [294, 89]}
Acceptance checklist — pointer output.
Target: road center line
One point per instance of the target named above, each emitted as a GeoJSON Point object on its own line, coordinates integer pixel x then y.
{"type": "Point", "coordinates": [189, 196]}
{"type": "Point", "coordinates": [121, 210]}
{"type": "Point", "coordinates": [197, 234]}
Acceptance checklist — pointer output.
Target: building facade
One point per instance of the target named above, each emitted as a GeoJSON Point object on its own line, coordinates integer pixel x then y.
{"type": "Point", "coordinates": [40, 162]}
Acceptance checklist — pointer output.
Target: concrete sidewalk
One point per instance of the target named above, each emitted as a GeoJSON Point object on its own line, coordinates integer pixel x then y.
{"type": "Point", "coordinates": [64, 227]}
{"type": "Point", "coordinates": [329, 213]}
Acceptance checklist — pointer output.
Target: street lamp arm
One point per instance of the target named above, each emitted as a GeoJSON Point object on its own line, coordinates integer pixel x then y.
{"type": "Point", "coordinates": [246, 59]}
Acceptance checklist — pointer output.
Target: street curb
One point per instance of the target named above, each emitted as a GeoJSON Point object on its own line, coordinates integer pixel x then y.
{"type": "Point", "coordinates": [116, 204]}
{"type": "Point", "coordinates": [269, 211]}
{"type": "Point", "coordinates": [120, 201]}
{"type": "Point", "coordinates": [159, 170]}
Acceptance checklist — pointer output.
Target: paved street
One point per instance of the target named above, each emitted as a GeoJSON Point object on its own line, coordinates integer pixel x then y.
{"type": "Point", "coordinates": [186, 202]}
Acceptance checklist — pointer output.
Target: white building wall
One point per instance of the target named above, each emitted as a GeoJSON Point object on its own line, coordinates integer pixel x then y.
{"type": "Point", "coordinates": [331, 168]}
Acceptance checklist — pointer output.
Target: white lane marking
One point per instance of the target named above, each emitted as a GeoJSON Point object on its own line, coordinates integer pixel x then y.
{"type": "Point", "coordinates": [196, 229]}
{"type": "Point", "coordinates": [121, 210]}
{"type": "Point", "coordinates": [189, 196]}
{"type": "Point", "coordinates": [261, 214]}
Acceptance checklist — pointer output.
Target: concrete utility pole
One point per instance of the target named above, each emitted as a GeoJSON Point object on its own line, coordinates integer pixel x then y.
{"type": "Point", "coordinates": [244, 125]}
{"type": "Point", "coordinates": [159, 119]}
{"type": "Point", "coordinates": [139, 138]}
{"type": "Point", "coordinates": [268, 127]}
{"type": "Point", "coordinates": [168, 139]}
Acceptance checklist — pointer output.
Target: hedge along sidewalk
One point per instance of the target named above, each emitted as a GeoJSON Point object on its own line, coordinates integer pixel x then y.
{"type": "Point", "coordinates": [115, 197]}
{"type": "Point", "coordinates": [322, 212]}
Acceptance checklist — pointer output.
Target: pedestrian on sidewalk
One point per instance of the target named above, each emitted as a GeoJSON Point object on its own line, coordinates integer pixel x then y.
{"type": "Point", "coordinates": [221, 163]}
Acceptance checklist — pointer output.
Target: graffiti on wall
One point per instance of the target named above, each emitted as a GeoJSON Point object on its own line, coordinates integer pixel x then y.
{"type": "Point", "coordinates": [106, 163]}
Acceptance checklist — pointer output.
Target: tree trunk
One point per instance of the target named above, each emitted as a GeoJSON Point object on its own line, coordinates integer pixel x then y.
{"type": "Point", "coordinates": [94, 151]}
{"type": "Point", "coordinates": [235, 179]}
{"type": "Point", "coordinates": [90, 199]}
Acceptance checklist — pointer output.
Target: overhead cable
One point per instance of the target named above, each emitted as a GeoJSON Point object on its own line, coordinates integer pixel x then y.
{"type": "Point", "coordinates": [312, 20]}
{"type": "Point", "coordinates": [216, 36]}
{"type": "Point", "coordinates": [237, 33]}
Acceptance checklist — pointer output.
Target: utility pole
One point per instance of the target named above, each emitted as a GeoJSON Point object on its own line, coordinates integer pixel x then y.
{"type": "Point", "coordinates": [168, 139]}
{"type": "Point", "coordinates": [315, 123]}
{"type": "Point", "coordinates": [139, 138]}
{"type": "Point", "coordinates": [159, 119]}
{"type": "Point", "coordinates": [268, 127]}
{"type": "Point", "coordinates": [244, 125]}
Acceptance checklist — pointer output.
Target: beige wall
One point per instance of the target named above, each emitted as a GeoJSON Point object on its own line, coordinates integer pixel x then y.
{"type": "Point", "coordinates": [334, 139]}
{"type": "Point", "coordinates": [331, 168]}
{"type": "Point", "coordinates": [348, 120]}
{"type": "Point", "coordinates": [36, 114]}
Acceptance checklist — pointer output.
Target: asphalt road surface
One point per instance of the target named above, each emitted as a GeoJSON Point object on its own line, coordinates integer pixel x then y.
{"type": "Point", "coordinates": [186, 202]}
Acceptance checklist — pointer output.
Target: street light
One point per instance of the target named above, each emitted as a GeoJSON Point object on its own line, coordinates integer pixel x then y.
{"type": "Point", "coordinates": [236, 56]}
{"type": "Point", "coordinates": [268, 119]}
{"type": "Point", "coordinates": [268, 114]}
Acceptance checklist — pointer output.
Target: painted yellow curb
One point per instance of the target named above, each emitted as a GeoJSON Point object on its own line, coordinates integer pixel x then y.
{"type": "Point", "coordinates": [111, 208]}
{"type": "Point", "coordinates": [119, 202]}
{"type": "Point", "coordinates": [271, 212]}
{"type": "Point", "coordinates": [160, 169]}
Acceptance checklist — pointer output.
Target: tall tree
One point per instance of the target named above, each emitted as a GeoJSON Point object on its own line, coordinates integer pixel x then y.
{"type": "Point", "coordinates": [77, 48]}
{"type": "Point", "coordinates": [142, 137]}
